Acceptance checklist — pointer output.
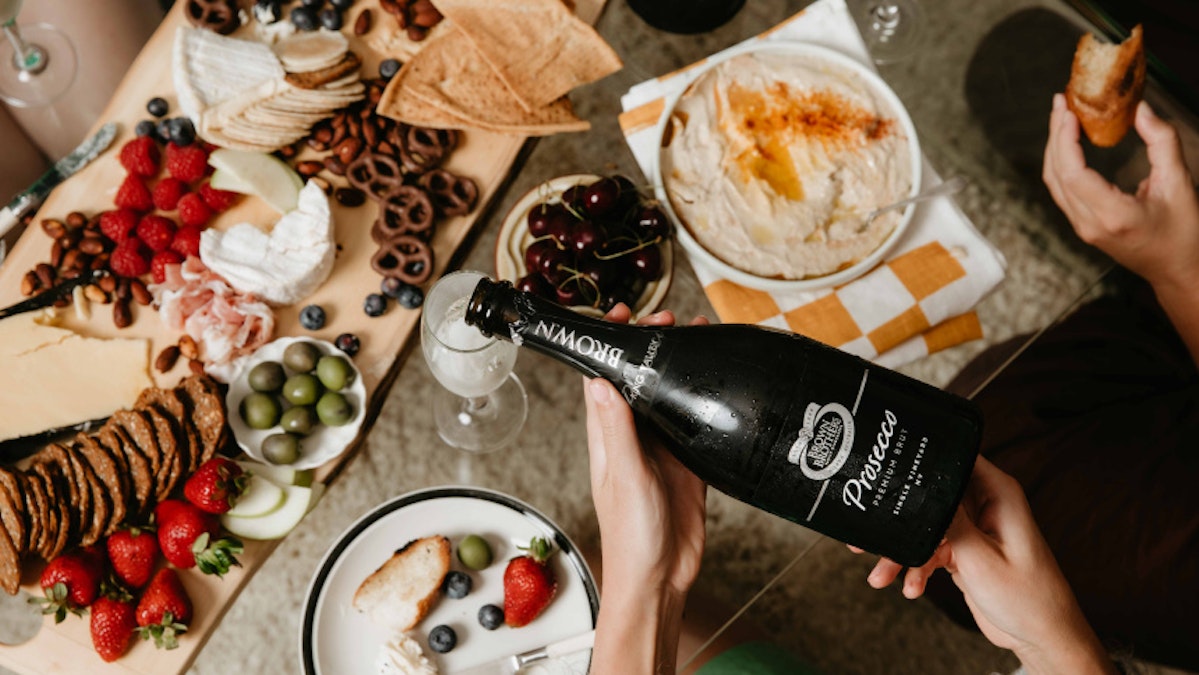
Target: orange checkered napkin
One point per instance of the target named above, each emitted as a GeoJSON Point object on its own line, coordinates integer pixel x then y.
{"type": "Point", "coordinates": [917, 302]}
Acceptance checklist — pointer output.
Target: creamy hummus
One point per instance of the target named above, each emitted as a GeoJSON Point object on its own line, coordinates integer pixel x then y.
{"type": "Point", "coordinates": [773, 160]}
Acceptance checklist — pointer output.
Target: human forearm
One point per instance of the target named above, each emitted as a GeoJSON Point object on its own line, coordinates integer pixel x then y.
{"type": "Point", "coordinates": [637, 631]}
{"type": "Point", "coordinates": [1180, 299]}
{"type": "Point", "coordinates": [1082, 654]}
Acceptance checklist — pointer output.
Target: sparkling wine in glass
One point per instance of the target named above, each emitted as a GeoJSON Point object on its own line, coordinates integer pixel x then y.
{"type": "Point", "coordinates": [893, 29]}
{"type": "Point", "coordinates": [37, 62]}
{"type": "Point", "coordinates": [483, 406]}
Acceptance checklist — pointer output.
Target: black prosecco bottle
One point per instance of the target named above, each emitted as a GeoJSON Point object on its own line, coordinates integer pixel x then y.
{"type": "Point", "coordinates": [802, 430]}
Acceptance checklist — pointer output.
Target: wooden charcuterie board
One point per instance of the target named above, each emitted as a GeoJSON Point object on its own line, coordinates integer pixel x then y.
{"type": "Point", "coordinates": [486, 158]}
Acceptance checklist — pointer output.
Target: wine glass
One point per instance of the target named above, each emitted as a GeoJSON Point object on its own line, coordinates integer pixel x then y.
{"type": "Point", "coordinates": [483, 405]}
{"type": "Point", "coordinates": [893, 29]}
{"type": "Point", "coordinates": [37, 62]}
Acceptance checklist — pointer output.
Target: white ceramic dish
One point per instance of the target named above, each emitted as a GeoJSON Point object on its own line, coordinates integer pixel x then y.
{"type": "Point", "coordinates": [335, 638]}
{"type": "Point", "coordinates": [514, 238]}
{"type": "Point", "coordinates": [325, 442]}
{"type": "Point", "coordinates": [806, 51]}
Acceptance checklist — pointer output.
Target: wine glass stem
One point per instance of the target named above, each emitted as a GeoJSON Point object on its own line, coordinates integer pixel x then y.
{"type": "Point", "coordinates": [29, 58]}
{"type": "Point", "coordinates": [886, 17]}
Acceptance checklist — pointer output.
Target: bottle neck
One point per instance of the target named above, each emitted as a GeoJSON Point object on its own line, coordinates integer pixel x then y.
{"type": "Point", "coordinates": [597, 348]}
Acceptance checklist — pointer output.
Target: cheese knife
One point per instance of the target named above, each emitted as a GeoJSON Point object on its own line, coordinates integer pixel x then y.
{"type": "Point", "coordinates": [49, 296]}
{"type": "Point", "coordinates": [31, 198]}
{"type": "Point", "coordinates": [508, 665]}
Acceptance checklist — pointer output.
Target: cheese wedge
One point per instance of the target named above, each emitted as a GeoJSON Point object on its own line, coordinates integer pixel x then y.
{"type": "Point", "coordinates": [51, 377]}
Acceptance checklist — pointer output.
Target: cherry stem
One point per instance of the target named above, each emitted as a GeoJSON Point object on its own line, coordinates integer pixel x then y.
{"type": "Point", "coordinates": [577, 275]}
{"type": "Point", "coordinates": [638, 247]}
{"type": "Point", "coordinates": [552, 238]}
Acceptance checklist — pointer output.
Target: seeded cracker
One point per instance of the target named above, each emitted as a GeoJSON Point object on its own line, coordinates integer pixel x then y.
{"type": "Point", "coordinates": [139, 469]}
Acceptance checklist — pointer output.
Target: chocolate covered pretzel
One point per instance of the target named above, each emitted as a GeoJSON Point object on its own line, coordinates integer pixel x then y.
{"type": "Point", "coordinates": [404, 210]}
{"type": "Point", "coordinates": [406, 258]}
{"type": "Point", "coordinates": [422, 149]}
{"type": "Point", "coordinates": [453, 195]}
{"type": "Point", "coordinates": [374, 174]}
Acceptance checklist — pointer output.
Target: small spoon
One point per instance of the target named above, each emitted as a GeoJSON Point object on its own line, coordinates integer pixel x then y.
{"type": "Point", "coordinates": [944, 188]}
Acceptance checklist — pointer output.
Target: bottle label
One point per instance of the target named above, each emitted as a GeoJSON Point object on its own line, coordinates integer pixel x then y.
{"type": "Point", "coordinates": [585, 346]}
{"type": "Point", "coordinates": [823, 444]}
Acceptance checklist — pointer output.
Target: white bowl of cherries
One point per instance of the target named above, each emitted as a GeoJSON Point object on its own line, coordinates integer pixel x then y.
{"type": "Point", "coordinates": [588, 242]}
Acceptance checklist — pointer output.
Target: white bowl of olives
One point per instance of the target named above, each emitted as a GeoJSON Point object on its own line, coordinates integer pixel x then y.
{"type": "Point", "coordinates": [297, 402]}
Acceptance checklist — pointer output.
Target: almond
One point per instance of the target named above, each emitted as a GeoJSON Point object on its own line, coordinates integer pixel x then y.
{"type": "Point", "coordinates": [166, 359]}
{"type": "Point", "coordinates": [188, 347]}
{"type": "Point", "coordinates": [196, 367]}
{"type": "Point", "coordinates": [140, 293]}
{"type": "Point", "coordinates": [53, 228]}
{"type": "Point", "coordinates": [122, 317]}
{"type": "Point", "coordinates": [362, 25]}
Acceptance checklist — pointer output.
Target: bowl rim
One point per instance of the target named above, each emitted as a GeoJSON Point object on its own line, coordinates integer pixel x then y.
{"type": "Point", "coordinates": [747, 279]}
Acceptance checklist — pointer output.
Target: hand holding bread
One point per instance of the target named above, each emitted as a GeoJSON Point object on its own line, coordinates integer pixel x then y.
{"type": "Point", "coordinates": [1106, 83]}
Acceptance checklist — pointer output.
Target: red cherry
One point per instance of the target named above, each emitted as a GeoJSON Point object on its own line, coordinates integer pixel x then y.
{"type": "Point", "coordinates": [576, 292]}
{"type": "Point", "coordinates": [538, 220]}
{"type": "Point", "coordinates": [573, 196]}
{"type": "Point", "coordinates": [551, 264]}
{"type": "Point", "coordinates": [601, 197]}
{"type": "Point", "coordinates": [651, 222]}
{"type": "Point", "coordinates": [537, 285]}
{"type": "Point", "coordinates": [535, 252]}
{"type": "Point", "coordinates": [647, 262]}
{"type": "Point", "coordinates": [584, 237]}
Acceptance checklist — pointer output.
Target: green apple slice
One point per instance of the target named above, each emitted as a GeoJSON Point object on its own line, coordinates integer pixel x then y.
{"type": "Point", "coordinates": [223, 180]}
{"type": "Point", "coordinates": [260, 498]}
{"type": "Point", "coordinates": [281, 475]}
{"type": "Point", "coordinates": [277, 523]}
{"type": "Point", "coordinates": [263, 175]}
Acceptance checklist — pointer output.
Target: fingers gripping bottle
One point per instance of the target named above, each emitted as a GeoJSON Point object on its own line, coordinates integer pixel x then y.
{"type": "Point", "coordinates": [807, 432]}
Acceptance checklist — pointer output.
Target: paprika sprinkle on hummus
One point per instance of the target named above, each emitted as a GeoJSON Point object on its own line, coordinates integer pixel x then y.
{"type": "Point", "coordinates": [772, 160]}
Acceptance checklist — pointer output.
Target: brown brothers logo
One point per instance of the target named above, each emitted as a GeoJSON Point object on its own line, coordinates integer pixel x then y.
{"type": "Point", "coordinates": [823, 444]}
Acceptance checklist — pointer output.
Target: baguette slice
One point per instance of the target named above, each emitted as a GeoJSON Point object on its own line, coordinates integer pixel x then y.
{"type": "Point", "coordinates": [400, 593]}
{"type": "Point", "coordinates": [1106, 83]}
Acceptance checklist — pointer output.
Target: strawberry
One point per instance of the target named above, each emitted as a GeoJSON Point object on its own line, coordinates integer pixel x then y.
{"type": "Point", "coordinates": [140, 156]}
{"type": "Point", "coordinates": [164, 610]}
{"type": "Point", "coordinates": [167, 192]}
{"type": "Point", "coordinates": [216, 486]}
{"type": "Point", "coordinates": [70, 582]}
{"type": "Point", "coordinates": [193, 211]}
{"type": "Point", "coordinates": [187, 241]}
{"type": "Point", "coordinates": [133, 194]}
{"type": "Point", "coordinates": [529, 584]}
{"type": "Point", "coordinates": [188, 163]}
{"type": "Point", "coordinates": [130, 258]}
{"type": "Point", "coordinates": [188, 537]}
{"type": "Point", "coordinates": [117, 225]}
{"type": "Point", "coordinates": [158, 264]}
{"type": "Point", "coordinates": [217, 200]}
{"type": "Point", "coordinates": [133, 553]}
{"type": "Point", "coordinates": [156, 232]}
{"type": "Point", "coordinates": [113, 622]}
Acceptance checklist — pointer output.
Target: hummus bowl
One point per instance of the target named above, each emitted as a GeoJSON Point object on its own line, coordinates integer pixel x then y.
{"type": "Point", "coordinates": [772, 156]}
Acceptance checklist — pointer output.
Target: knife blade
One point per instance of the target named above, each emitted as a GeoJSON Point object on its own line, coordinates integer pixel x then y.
{"type": "Point", "coordinates": [508, 665]}
{"type": "Point", "coordinates": [31, 198]}
{"type": "Point", "coordinates": [49, 296]}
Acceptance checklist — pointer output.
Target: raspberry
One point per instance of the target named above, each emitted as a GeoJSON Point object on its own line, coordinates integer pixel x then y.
{"type": "Point", "coordinates": [157, 232]}
{"type": "Point", "coordinates": [187, 163]}
{"type": "Point", "coordinates": [140, 156]}
{"type": "Point", "coordinates": [133, 194]}
{"type": "Point", "coordinates": [187, 241]}
{"type": "Point", "coordinates": [217, 200]}
{"type": "Point", "coordinates": [167, 193]}
{"type": "Point", "coordinates": [130, 258]}
{"type": "Point", "coordinates": [193, 210]}
{"type": "Point", "coordinates": [159, 262]}
{"type": "Point", "coordinates": [116, 225]}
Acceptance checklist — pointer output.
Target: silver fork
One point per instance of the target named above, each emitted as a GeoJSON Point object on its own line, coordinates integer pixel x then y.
{"type": "Point", "coordinates": [947, 187]}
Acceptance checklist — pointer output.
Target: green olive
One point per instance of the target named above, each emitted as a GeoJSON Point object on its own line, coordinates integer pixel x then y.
{"type": "Point", "coordinates": [299, 419]}
{"type": "Point", "coordinates": [259, 410]}
{"type": "Point", "coordinates": [334, 372]}
{"type": "Point", "coordinates": [301, 356]}
{"type": "Point", "coordinates": [474, 552]}
{"type": "Point", "coordinates": [281, 448]}
{"type": "Point", "coordinates": [302, 389]}
{"type": "Point", "coordinates": [334, 410]}
{"type": "Point", "coordinates": [267, 376]}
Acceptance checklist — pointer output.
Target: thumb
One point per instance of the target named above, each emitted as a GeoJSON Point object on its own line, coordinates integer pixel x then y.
{"type": "Point", "coordinates": [613, 428]}
{"type": "Point", "coordinates": [1161, 142]}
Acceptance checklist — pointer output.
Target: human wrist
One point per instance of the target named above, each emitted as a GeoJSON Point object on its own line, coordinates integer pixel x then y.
{"type": "Point", "coordinates": [1080, 653]}
{"type": "Point", "coordinates": [637, 630]}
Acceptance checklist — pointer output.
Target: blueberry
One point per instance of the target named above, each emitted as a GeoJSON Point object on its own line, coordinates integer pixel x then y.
{"type": "Point", "coordinates": [388, 68]}
{"type": "Point", "coordinates": [157, 106]}
{"type": "Point", "coordinates": [442, 639]}
{"type": "Point", "coordinates": [146, 128]}
{"type": "Point", "coordinates": [457, 584]}
{"type": "Point", "coordinates": [348, 343]}
{"type": "Point", "coordinates": [180, 131]}
{"type": "Point", "coordinates": [312, 4]}
{"type": "Point", "coordinates": [163, 127]}
{"type": "Point", "coordinates": [268, 11]}
{"type": "Point", "coordinates": [312, 317]}
{"type": "Point", "coordinates": [390, 286]}
{"type": "Point", "coordinates": [410, 297]}
{"type": "Point", "coordinates": [343, 5]}
{"type": "Point", "coordinates": [304, 18]}
{"type": "Point", "coordinates": [331, 19]}
{"type": "Point", "coordinates": [491, 617]}
{"type": "Point", "coordinates": [374, 305]}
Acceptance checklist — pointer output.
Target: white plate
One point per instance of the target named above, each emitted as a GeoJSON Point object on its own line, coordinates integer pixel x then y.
{"type": "Point", "coordinates": [335, 638]}
{"type": "Point", "coordinates": [325, 442]}
{"type": "Point", "coordinates": [514, 238]}
{"type": "Point", "coordinates": [808, 51]}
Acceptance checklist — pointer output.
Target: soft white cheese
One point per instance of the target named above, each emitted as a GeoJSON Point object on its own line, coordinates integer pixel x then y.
{"type": "Point", "coordinates": [403, 656]}
{"type": "Point", "coordinates": [208, 68]}
{"type": "Point", "coordinates": [282, 267]}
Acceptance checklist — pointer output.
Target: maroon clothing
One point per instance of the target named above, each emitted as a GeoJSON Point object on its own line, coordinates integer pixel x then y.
{"type": "Point", "coordinates": [1099, 421]}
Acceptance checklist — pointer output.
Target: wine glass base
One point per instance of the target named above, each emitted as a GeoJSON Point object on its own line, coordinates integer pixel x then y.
{"type": "Point", "coordinates": [482, 424]}
{"type": "Point", "coordinates": [892, 29]}
{"type": "Point", "coordinates": [50, 66]}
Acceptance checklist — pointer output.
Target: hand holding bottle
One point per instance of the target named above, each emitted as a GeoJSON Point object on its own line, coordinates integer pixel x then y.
{"type": "Point", "coordinates": [651, 516]}
{"type": "Point", "coordinates": [1009, 577]}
